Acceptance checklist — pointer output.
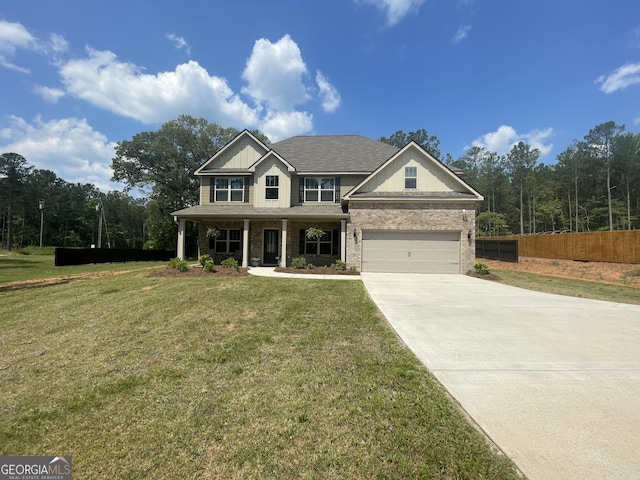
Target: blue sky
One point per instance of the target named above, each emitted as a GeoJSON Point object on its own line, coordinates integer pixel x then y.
{"type": "Point", "coordinates": [79, 76]}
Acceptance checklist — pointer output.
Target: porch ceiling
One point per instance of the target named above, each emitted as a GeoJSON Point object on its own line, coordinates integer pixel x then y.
{"type": "Point", "coordinates": [333, 211]}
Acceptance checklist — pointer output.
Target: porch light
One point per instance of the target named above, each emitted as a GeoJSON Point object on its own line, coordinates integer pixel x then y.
{"type": "Point", "coordinates": [464, 215]}
{"type": "Point", "coordinates": [355, 235]}
{"type": "Point", "coordinates": [469, 234]}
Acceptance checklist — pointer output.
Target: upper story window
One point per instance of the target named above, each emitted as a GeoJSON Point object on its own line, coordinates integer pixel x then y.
{"type": "Point", "coordinates": [318, 189]}
{"type": "Point", "coordinates": [271, 192]}
{"type": "Point", "coordinates": [410, 177]}
{"type": "Point", "coordinates": [228, 189]}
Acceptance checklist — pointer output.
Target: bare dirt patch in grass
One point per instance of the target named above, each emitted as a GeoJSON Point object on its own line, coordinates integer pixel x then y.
{"type": "Point", "coordinates": [601, 272]}
{"type": "Point", "coordinates": [59, 280]}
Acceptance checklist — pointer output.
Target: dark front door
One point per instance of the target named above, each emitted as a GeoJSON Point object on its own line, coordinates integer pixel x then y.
{"type": "Point", "coordinates": [270, 247]}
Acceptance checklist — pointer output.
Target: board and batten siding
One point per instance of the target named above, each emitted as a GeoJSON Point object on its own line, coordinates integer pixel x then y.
{"type": "Point", "coordinates": [430, 177]}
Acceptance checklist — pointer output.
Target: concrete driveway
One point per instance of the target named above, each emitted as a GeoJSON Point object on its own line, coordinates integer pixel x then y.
{"type": "Point", "coordinates": [554, 381]}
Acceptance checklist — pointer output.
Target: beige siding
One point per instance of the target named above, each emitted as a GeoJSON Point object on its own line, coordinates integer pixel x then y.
{"type": "Point", "coordinates": [272, 166]}
{"type": "Point", "coordinates": [241, 155]}
{"type": "Point", "coordinates": [431, 178]}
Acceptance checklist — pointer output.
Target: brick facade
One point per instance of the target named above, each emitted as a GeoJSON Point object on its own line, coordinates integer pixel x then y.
{"type": "Point", "coordinates": [437, 217]}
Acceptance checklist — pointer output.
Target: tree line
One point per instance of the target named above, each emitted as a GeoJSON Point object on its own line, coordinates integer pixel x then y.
{"type": "Point", "coordinates": [594, 185]}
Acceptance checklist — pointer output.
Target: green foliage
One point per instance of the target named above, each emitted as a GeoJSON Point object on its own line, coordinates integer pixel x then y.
{"type": "Point", "coordinates": [208, 266]}
{"type": "Point", "coordinates": [213, 232]}
{"type": "Point", "coordinates": [481, 267]}
{"type": "Point", "coordinates": [430, 143]}
{"type": "Point", "coordinates": [178, 264]}
{"type": "Point", "coordinates": [299, 262]}
{"type": "Point", "coordinates": [230, 262]}
{"type": "Point", "coordinates": [314, 233]}
{"type": "Point", "coordinates": [204, 259]}
{"type": "Point", "coordinates": [339, 265]}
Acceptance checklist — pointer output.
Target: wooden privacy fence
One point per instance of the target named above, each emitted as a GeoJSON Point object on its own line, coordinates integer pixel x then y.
{"type": "Point", "coordinates": [621, 246]}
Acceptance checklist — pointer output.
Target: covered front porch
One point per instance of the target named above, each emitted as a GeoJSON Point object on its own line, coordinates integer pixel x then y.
{"type": "Point", "coordinates": [267, 238]}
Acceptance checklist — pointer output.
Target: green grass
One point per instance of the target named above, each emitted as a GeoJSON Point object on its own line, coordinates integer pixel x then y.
{"type": "Point", "coordinates": [15, 266]}
{"type": "Point", "coordinates": [570, 287]}
{"type": "Point", "coordinates": [145, 377]}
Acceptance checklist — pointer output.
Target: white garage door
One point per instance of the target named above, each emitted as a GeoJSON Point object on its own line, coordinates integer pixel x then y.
{"type": "Point", "coordinates": [410, 252]}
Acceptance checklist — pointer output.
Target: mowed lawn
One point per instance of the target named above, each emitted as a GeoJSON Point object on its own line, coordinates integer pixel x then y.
{"type": "Point", "coordinates": [144, 377]}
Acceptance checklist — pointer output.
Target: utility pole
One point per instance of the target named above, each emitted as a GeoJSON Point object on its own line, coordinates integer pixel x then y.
{"type": "Point", "coordinates": [41, 205]}
{"type": "Point", "coordinates": [99, 210]}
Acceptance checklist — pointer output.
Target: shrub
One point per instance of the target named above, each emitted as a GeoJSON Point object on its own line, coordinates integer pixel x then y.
{"type": "Point", "coordinates": [230, 263]}
{"type": "Point", "coordinates": [299, 262]}
{"type": "Point", "coordinates": [178, 264]}
{"type": "Point", "coordinates": [203, 259]}
{"type": "Point", "coordinates": [339, 265]}
{"type": "Point", "coordinates": [481, 267]}
{"type": "Point", "coordinates": [208, 266]}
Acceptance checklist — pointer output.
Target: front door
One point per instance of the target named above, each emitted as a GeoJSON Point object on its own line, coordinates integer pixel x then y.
{"type": "Point", "coordinates": [270, 247]}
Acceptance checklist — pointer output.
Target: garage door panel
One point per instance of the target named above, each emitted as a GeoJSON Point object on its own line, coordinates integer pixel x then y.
{"type": "Point", "coordinates": [411, 252]}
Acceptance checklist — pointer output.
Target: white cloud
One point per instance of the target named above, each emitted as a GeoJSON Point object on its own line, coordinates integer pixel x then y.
{"type": "Point", "coordinates": [179, 42]}
{"type": "Point", "coordinates": [396, 10]}
{"type": "Point", "coordinates": [623, 77]}
{"type": "Point", "coordinates": [51, 95]}
{"type": "Point", "coordinates": [329, 96]}
{"type": "Point", "coordinates": [275, 73]}
{"type": "Point", "coordinates": [280, 125]}
{"type": "Point", "coordinates": [502, 140]}
{"type": "Point", "coordinates": [70, 147]}
{"type": "Point", "coordinates": [122, 88]}
{"type": "Point", "coordinates": [14, 36]}
{"type": "Point", "coordinates": [461, 34]}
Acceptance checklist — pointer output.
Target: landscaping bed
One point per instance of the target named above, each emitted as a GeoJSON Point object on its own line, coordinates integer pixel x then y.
{"type": "Point", "coordinates": [317, 271]}
{"type": "Point", "coordinates": [198, 271]}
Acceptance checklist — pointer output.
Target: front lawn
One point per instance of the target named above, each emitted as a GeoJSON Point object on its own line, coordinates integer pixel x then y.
{"type": "Point", "coordinates": [147, 377]}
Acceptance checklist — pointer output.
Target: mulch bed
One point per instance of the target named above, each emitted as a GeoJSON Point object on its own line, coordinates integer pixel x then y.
{"type": "Point", "coordinates": [317, 271]}
{"type": "Point", "coordinates": [199, 272]}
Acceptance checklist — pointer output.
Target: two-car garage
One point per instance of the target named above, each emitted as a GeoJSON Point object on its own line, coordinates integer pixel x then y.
{"type": "Point", "coordinates": [410, 251]}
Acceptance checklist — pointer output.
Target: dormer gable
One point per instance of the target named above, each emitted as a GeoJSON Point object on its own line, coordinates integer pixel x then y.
{"type": "Point", "coordinates": [271, 155]}
{"type": "Point", "coordinates": [413, 173]}
{"type": "Point", "coordinates": [239, 154]}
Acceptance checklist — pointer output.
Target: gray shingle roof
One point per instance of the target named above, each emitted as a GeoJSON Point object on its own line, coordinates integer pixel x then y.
{"type": "Point", "coordinates": [334, 153]}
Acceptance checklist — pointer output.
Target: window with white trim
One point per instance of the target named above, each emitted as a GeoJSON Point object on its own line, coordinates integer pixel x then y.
{"type": "Point", "coordinates": [228, 189]}
{"type": "Point", "coordinates": [410, 177]}
{"type": "Point", "coordinates": [271, 192]}
{"type": "Point", "coordinates": [317, 189]}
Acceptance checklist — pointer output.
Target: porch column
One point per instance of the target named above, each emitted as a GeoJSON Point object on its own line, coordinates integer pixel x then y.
{"type": "Point", "coordinates": [283, 254]}
{"type": "Point", "coordinates": [343, 240]}
{"type": "Point", "coordinates": [245, 244]}
{"type": "Point", "coordinates": [181, 228]}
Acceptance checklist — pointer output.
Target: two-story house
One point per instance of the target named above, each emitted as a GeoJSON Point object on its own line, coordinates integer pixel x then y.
{"type": "Point", "coordinates": [382, 209]}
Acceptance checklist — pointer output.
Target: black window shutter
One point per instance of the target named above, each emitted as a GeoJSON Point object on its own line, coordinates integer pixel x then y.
{"type": "Point", "coordinates": [246, 189]}
{"type": "Point", "coordinates": [337, 187]}
{"type": "Point", "coordinates": [212, 182]}
{"type": "Point", "coordinates": [302, 236]}
{"type": "Point", "coordinates": [301, 189]}
{"type": "Point", "coordinates": [336, 242]}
